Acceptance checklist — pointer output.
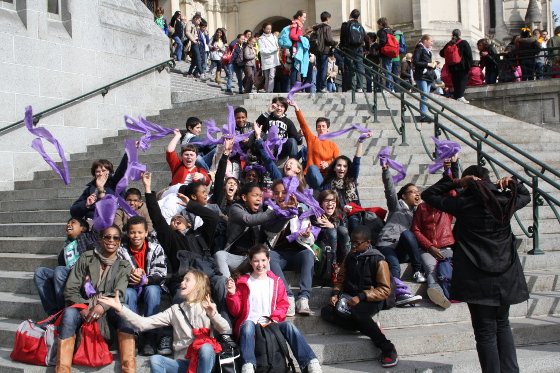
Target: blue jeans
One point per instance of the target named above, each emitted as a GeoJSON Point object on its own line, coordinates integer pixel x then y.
{"type": "Point", "coordinates": [205, 161]}
{"type": "Point", "coordinates": [293, 75]}
{"type": "Point", "coordinates": [299, 346]}
{"type": "Point", "coordinates": [206, 359]}
{"type": "Point", "coordinates": [406, 249]}
{"type": "Point", "coordinates": [338, 239]}
{"type": "Point", "coordinates": [196, 60]}
{"type": "Point", "coordinates": [387, 64]}
{"type": "Point", "coordinates": [396, 68]}
{"type": "Point", "coordinates": [50, 286]}
{"type": "Point", "coordinates": [331, 86]}
{"type": "Point", "coordinates": [311, 79]}
{"type": "Point", "coordinates": [289, 149]}
{"type": "Point", "coordinates": [424, 87]}
{"type": "Point", "coordinates": [151, 295]}
{"type": "Point", "coordinates": [314, 177]}
{"type": "Point", "coordinates": [301, 261]}
{"type": "Point", "coordinates": [322, 68]}
{"type": "Point", "coordinates": [72, 321]}
{"type": "Point", "coordinates": [178, 48]}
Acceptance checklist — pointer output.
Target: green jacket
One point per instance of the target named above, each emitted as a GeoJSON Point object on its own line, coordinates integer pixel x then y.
{"type": "Point", "coordinates": [89, 264]}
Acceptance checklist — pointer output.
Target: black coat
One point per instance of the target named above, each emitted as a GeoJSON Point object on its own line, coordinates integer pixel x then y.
{"type": "Point", "coordinates": [486, 267]}
{"type": "Point", "coordinates": [420, 59]}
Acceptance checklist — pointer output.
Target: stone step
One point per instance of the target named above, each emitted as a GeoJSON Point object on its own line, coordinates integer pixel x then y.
{"type": "Point", "coordinates": [27, 262]}
{"type": "Point", "coordinates": [38, 204]}
{"type": "Point", "coordinates": [32, 245]}
{"type": "Point", "coordinates": [32, 229]}
{"type": "Point", "coordinates": [45, 216]}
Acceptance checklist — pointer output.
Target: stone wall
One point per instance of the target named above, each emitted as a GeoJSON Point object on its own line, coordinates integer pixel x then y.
{"type": "Point", "coordinates": [46, 59]}
{"type": "Point", "coordinates": [536, 102]}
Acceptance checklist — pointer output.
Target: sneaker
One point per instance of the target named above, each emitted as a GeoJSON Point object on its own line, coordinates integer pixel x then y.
{"type": "Point", "coordinates": [292, 307]}
{"type": "Point", "coordinates": [164, 346]}
{"type": "Point", "coordinates": [302, 306]}
{"type": "Point", "coordinates": [463, 100]}
{"type": "Point", "coordinates": [404, 299]}
{"type": "Point", "coordinates": [389, 359]}
{"type": "Point", "coordinates": [359, 90]}
{"type": "Point", "coordinates": [247, 368]}
{"type": "Point", "coordinates": [438, 298]}
{"type": "Point", "coordinates": [314, 366]}
{"type": "Point", "coordinates": [419, 277]}
{"type": "Point", "coordinates": [148, 350]}
{"type": "Point", "coordinates": [324, 90]}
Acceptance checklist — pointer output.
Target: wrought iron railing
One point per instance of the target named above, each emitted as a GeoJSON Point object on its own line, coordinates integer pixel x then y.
{"type": "Point", "coordinates": [101, 90]}
{"type": "Point", "coordinates": [539, 176]}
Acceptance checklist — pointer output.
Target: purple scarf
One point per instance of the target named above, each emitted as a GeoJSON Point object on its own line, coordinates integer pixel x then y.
{"type": "Point", "coordinates": [106, 208]}
{"type": "Point", "coordinates": [385, 159]}
{"type": "Point", "coordinates": [357, 127]}
{"type": "Point", "coordinates": [297, 88]}
{"type": "Point", "coordinates": [37, 144]}
{"type": "Point", "coordinates": [228, 132]}
{"type": "Point", "coordinates": [150, 130]}
{"type": "Point", "coordinates": [445, 149]}
{"type": "Point", "coordinates": [273, 143]}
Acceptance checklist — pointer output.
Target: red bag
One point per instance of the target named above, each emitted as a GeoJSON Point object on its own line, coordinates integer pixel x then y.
{"type": "Point", "coordinates": [451, 54]}
{"type": "Point", "coordinates": [93, 350]}
{"type": "Point", "coordinates": [391, 48]}
{"type": "Point", "coordinates": [36, 344]}
{"type": "Point", "coordinates": [226, 57]}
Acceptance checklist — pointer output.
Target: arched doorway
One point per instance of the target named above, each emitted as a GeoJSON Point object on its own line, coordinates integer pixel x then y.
{"type": "Point", "coordinates": [278, 23]}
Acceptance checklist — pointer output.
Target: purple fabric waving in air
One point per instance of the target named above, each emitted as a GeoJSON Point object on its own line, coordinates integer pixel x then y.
{"type": "Point", "coordinates": [385, 159]}
{"type": "Point", "coordinates": [273, 144]}
{"type": "Point", "coordinates": [445, 149]}
{"type": "Point", "coordinates": [298, 87]}
{"type": "Point", "coordinates": [353, 127]}
{"type": "Point", "coordinates": [37, 144]}
{"type": "Point", "coordinates": [150, 130]}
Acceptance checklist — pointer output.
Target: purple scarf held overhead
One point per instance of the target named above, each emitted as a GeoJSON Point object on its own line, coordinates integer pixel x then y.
{"type": "Point", "coordinates": [273, 143]}
{"type": "Point", "coordinates": [445, 149]}
{"type": "Point", "coordinates": [385, 159]}
{"type": "Point", "coordinates": [298, 87]}
{"type": "Point", "coordinates": [37, 144]}
{"type": "Point", "coordinates": [150, 130]}
{"type": "Point", "coordinates": [106, 208]}
{"type": "Point", "coordinates": [357, 127]}
{"type": "Point", "coordinates": [228, 132]}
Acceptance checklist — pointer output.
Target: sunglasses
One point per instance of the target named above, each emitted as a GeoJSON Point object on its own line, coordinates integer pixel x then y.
{"type": "Point", "coordinates": [111, 238]}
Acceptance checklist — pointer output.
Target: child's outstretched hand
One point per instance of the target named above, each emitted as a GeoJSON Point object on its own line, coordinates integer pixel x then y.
{"type": "Point", "coordinates": [113, 302]}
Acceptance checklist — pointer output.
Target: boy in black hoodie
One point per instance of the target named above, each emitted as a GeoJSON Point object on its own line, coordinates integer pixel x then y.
{"type": "Point", "coordinates": [364, 280]}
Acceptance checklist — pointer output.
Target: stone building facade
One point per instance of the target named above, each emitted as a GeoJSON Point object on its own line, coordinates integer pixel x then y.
{"type": "Point", "coordinates": [496, 19]}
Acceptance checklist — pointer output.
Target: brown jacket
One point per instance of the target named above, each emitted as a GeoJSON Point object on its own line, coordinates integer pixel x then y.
{"type": "Point", "coordinates": [376, 288]}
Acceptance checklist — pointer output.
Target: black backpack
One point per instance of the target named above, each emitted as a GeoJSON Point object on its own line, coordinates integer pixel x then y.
{"type": "Point", "coordinates": [271, 350]}
{"type": "Point", "coordinates": [356, 34]}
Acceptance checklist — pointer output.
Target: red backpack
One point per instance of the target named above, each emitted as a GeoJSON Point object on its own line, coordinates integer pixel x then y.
{"type": "Point", "coordinates": [451, 54]}
{"type": "Point", "coordinates": [391, 48]}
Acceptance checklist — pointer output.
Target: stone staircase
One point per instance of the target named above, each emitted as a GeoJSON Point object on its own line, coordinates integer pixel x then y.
{"type": "Point", "coordinates": [427, 338]}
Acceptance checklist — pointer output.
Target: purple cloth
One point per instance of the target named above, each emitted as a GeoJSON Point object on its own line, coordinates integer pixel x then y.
{"type": "Point", "coordinates": [445, 149]}
{"type": "Point", "coordinates": [356, 127]}
{"type": "Point", "coordinates": [150, 130]}
{"type": "Point", "coordinates": [307, 199]}
{"type": "Point", "coordinates": [297, 88]}
{"type": "Point", "coordinates": [106, 208]}
{"type": "Point", "coordinates": [401, 287]}
{"type": "Point", "coordinates": [89, 289]}
{"type": "Point", "coordinates": [294, 236]}
{"type": "Point", "coordinates": [273, 143]}
{"type": "Point", "coordinates": [37, 144]}
{"type": "Point", "coordinates": [281, 212]}
{"type": "Point", "coordinates": [140, 287]}
{"type": "Point", "coordinates": [385, 159]}
{"type": "Point", "coordinates": [255, 166]}
{"type": "Point", "coordinates": [228, 132]}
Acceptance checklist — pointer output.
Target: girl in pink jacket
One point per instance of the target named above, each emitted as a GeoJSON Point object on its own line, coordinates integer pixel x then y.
{"type": "Point", "coordinates": [260, 297]}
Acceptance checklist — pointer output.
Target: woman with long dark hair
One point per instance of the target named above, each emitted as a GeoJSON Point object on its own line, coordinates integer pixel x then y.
{"type": "Point", "coordinates": [218, 46]}
{"type": "Point", "coordinates": [487, 273]}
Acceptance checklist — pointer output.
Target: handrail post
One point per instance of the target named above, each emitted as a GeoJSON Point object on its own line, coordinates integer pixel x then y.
{"type": "Point", "coordinates": [403, 122]}
{"type": "Point", "coordinates": [353, 85]}
{"type": "Point", "coordinates": [374, 108]}
{"type": "Point", "coordinates": [479, 158]}
{"type": "Point", "coordinates": [534, 229]}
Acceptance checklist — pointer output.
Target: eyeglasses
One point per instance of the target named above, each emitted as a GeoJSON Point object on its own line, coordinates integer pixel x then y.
{"type": "Point", "coordinates": [111, 238]}
{"type": "Point", "coordinates": [329, 200]}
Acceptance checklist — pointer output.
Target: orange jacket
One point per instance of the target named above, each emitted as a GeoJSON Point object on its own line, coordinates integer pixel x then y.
{"type": "Point", "coordinates": [317, 150]}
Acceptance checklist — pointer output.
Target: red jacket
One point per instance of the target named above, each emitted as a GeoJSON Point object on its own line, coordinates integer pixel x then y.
{"type": "Point", "coordinates": [238, 303]}
{"type": "Point", "coordinates": [432, 227]}
{"type": "Point", "coordinates": [179, 172]}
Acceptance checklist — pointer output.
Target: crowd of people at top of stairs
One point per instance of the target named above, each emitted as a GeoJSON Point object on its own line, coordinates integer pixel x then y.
{"type": "Point", "coordinates": [272, 61]}
{"type": "Point", "coordinates": [236, 215]}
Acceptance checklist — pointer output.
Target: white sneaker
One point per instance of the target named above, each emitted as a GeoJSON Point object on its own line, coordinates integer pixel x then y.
{"type": "Point", "coordinates": [291, 307]}
{"type": "Point", "coordinates": [404, 299]}
{"type": "Point", "coordinates": [359, 90]}
{"type": "Point", "coordinates": [247, 368]}
{"type": "Point", "coordinates": [419, 277]}
{"type": "Point", "coordinates": [463, 100]}
{"type": "Point", "coordinates": [438, 298]}
{"type": "Point", "coordinates": [302, 306]}
{"type": "Point", "coordinates": [314, 367]}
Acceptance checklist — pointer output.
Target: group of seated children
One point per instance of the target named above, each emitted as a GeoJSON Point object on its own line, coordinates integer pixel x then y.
{"type": "Point", "coordinates": [222, 257]}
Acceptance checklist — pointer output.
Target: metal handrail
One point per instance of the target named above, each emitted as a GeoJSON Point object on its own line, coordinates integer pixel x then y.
{"type": "Point", "coordinates": [101, 90]}
{"type": "Point", "coordinates": [488, 138]}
